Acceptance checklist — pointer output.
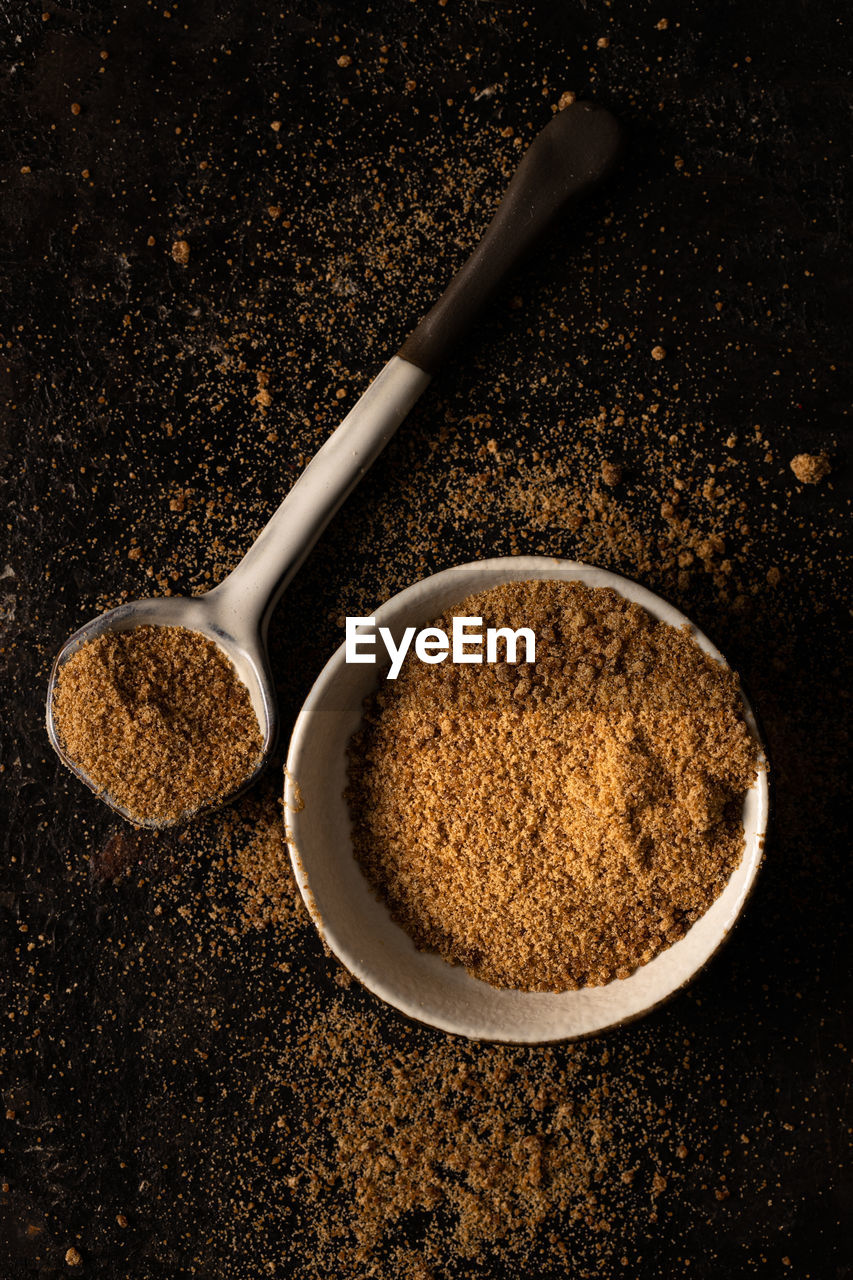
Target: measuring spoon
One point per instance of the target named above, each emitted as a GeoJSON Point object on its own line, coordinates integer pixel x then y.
{"type": "Point", "coordinates": [567, 160]}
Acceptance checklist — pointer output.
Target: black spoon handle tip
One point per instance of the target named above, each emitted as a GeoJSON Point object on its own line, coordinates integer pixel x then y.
{"type": "Point", "coordinates": [567, 160]}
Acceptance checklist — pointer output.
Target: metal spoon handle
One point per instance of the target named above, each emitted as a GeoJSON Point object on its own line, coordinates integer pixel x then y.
{"type": "Point", "coordinates": [247, 597]}
{"type": "Point", "coordinates": [575, 151]}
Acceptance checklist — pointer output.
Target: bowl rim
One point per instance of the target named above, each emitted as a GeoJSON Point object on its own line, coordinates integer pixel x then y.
{"type": "Point", "coordinates": [516, 568]}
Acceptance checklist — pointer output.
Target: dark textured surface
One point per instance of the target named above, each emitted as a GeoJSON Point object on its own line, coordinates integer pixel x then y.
{"type": "Point", "coordinates": [127, 378]}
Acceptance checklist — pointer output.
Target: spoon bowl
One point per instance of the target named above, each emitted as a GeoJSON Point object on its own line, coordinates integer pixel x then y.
{"type": "Point", "coordinates": [358, 927]}
{"type": "Point", "coordinates": [208, 615]}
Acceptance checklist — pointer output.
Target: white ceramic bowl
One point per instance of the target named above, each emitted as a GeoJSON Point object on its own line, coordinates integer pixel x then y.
{"type": "Point", "coordinates": [357, 926]}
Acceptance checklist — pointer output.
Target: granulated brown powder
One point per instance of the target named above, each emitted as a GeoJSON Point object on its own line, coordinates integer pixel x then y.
{"type": "Point", "coordinates": [158, 718]}
{"type": "Point", "coordinates": [557, 824]}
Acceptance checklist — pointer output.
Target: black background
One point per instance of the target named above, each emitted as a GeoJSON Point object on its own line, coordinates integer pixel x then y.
{"type": "Point", "coordinates": [106, 339]}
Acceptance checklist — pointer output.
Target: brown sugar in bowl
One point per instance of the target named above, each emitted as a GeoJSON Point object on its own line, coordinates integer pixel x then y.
{"type": "Point", "coordinates": [357, 925]}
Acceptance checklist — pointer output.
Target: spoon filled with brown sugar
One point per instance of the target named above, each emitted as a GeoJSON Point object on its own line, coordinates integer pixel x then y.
{"type": "Point", "coordinates": [166, 707]}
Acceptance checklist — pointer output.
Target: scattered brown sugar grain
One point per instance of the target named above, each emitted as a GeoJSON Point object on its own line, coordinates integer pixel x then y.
{"type": "Point", "coordinates": [557, 824]}
{"type": "Point", "coordinates": [810, 468]}
{"type": "Point", "coordinates": [611, 473]}
{"type": "Point", "coordinates": [181, 252]}
{"type": "Point", "coordinates": [158, 718]}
